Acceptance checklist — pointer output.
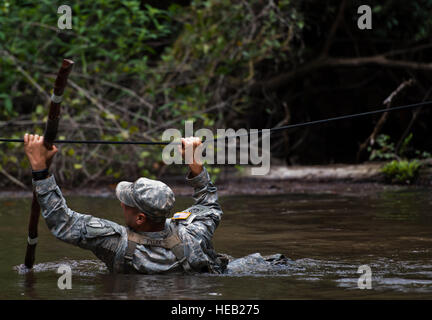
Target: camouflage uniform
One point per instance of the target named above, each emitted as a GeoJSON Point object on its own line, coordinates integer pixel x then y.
{"type": "Point", "coordinates": [109, 240]}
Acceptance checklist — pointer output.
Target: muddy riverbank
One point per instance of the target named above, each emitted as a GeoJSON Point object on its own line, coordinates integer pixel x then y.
{"type": "Point", "coordinates": [344, 179]}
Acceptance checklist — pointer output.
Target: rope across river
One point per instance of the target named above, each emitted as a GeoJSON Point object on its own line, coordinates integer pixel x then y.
{"type": "Point", "coordinates": [271, 130]}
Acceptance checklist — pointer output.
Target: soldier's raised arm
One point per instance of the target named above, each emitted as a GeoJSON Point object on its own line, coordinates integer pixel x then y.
{"type": "Point", "coordinates": [205, 193]}
{"type": "Point", "coordinates": [101, 236]}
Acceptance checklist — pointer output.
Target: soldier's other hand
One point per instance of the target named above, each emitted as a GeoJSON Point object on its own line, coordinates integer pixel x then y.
{"type": "Point", "coordinates": [190, 150]}
{"type": "Point", "coordinates": [36, 152]}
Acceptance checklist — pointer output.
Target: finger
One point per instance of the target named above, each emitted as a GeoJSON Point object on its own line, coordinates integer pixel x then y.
{"type": "Point", "coordinates": [26, 139]}
{"type": "Point", "coordinates": [52, 152]}
{"type": "Point", "coordinates": [187, 142]}
{"type": "Point", "coordinates": [31, 138]}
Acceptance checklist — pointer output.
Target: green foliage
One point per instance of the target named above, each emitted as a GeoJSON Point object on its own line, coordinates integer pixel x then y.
{"type": "Point", "coordinates": [423, 154]}
{"type": "Point", "coordinates": [404, 171]}
{"type": "Point", "coordinates": [405, 145]}
{"type": "Point", "coordinates": [384, 149]}
{"type": "Point", "coordinates": [400, 170]}
{"type": "Point", "coordinates": [107, 37]}
{"type": "Point", "coordinates": [111, 44]}
{"type": "Point", "coordinates": [416, 25]}
{"type": "Point", "coordinates": [138, 70]}
{"type": "Point", "coordinates": [220, 49]}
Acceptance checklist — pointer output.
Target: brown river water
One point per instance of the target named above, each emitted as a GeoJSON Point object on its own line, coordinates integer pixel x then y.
{"type": "Point", "coordinates": [326, 237]}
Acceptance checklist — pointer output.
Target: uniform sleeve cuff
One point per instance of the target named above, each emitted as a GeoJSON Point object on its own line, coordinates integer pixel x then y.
{"type": "Point", "coordinates": [44, 186]}
{"type": "Point", "coordinates": [200, 180]}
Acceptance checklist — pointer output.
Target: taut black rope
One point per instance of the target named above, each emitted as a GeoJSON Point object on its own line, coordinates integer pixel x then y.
{"type": "Point", "coordinates": [350, 116]}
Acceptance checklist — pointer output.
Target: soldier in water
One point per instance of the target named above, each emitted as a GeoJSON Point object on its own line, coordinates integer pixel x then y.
{"type": "Point", "coordinates": [151, 243]}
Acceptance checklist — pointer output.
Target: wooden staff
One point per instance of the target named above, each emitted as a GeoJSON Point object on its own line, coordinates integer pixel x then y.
{"type": "Point", "coordinates": [50, 135]}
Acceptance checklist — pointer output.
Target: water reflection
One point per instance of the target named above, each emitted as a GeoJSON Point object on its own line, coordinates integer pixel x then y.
{"type": "Point", "coordinates": [403, 206]}
{"type": "Point", "coordinates": [156, 286]}
{"type": "Point", "coordinates": [30, 281]}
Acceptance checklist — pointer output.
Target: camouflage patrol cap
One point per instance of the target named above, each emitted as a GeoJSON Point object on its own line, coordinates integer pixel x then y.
{"type": "Point", "coordinates": [152, 197]}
